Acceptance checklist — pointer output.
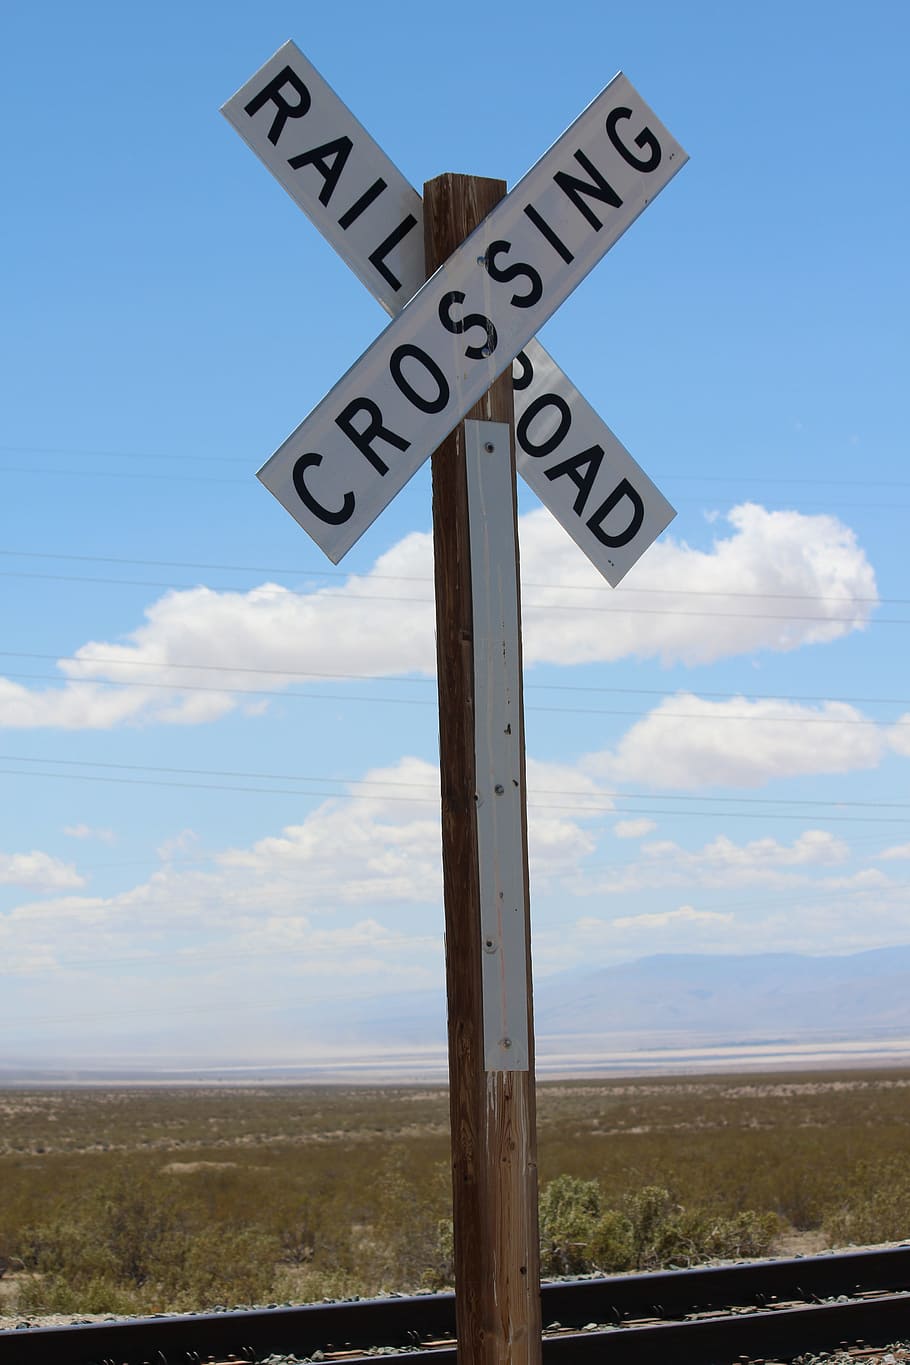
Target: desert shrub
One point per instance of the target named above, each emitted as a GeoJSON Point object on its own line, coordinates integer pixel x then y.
{"type": "Point", "coordinates": [53, 1294]}
{"type": "Point", "coordinates": [875, 1206]}
{"type": "Point", "coordinates": [579, 1233]}
{"type": "Point", "coordinates": [133, 1243]}
{"type": "Point", "coordinates": [404, 1240]}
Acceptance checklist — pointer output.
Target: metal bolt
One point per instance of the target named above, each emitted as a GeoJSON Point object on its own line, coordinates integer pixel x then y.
{"type": "Point", "coordinates": [507, 1042]}
{"type": "Point", "coordinates": [499, 789]}
{"type": "Point", "coordinates": [489, 447]}
{"type": "Point", "coordinates": [489, 945]}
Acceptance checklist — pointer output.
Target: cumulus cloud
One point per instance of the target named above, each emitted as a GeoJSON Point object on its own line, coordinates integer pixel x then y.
{"type": "Point", "coordinates": [361, 873]}
{"type": "Point", "coordinates": [688, 742]}
{"type": "Point", "coordinates": [686, 914]}
{"type": "Point", "coordinates": [105, 836]}
{"type": "Point", "coordinates": [899, 736]}
{"type": "Point", "coordinates": [200, 654]}
{"type": "Point", "coordinates": [777, 581]}
{"type": "Point", "coordinates": [633, 829]}
{"type": "Point", "coordinates": [723, 863]}
{"type": "Point", "coordinates": [682, 929]}
{"type": "Point", "coordinates": [896, 851]}
{"type": "Point", "coordinates": [38, 870]}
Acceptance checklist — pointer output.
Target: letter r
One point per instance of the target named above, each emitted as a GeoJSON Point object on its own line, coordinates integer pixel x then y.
{"type": "Point", "coordinates": [272, 92]}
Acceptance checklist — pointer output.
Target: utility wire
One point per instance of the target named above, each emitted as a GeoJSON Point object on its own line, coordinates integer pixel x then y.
{"type": "Point", "coordinates": [433, 787]}
{"type": "Point", "coordinates": [587, 806]}
{"type": "Point", "coordinates": [429, 681]}
{"type": "Point", "coordinates": [210, 479]}
{"type": "Point", "coordinates": [144, 685]}
{"type": "Point", "coordinates": [342, 598]}
{"type": "Point", "coordinates": [81, 452]}
{"type": "Point", "coordinates": [426, 580]}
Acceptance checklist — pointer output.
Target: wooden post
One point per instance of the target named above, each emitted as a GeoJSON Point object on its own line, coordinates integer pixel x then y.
{"type": "Point", "coordinates": [494, 1141]}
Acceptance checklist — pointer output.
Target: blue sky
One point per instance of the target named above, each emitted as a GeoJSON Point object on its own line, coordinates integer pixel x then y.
{"type": "Point", "coordinates": [218, 751]}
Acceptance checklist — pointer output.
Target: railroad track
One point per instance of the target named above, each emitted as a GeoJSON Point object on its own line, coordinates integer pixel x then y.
{"type": "Point", "coordinates": [767, 1310]}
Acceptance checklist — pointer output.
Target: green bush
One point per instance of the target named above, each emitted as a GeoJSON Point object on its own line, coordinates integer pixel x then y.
{"type": "Point", "coordinates": [131, 1244]}
{"type": "Point", "coordinates": [579, 1233]}
{"type": "Point", "coordinates": [874, 1207]}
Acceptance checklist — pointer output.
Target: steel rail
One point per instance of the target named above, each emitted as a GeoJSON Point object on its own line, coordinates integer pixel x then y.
{"type": "Point", "coordinates": [407, 1321]}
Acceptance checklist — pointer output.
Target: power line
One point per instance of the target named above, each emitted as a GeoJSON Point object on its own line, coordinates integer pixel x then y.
{"type": "Point", "coordinates": [433, 787]}
{"type": "Point", "coordinates": [749, 479]}
{"type": "Point", "coordinates": [419, 701]}
{"type": "Point", "coordinates": [210, 479]}
{"type": "Point", "coordinates": [586, 808]}
{"type": "Point", "coordinates": [343, 598]}
{"type": "Point", "coordinates": [426, 579]}
{"type": "Point", "coordinates": [423, 682]}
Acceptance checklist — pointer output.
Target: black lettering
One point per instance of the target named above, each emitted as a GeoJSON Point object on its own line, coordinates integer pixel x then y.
{"type": "Point", "coordinates": [544, 228]}
{"type": "Point", "coordinates": [521, 381]}
{"type": "Point", "coordinates": [645, 139]}
{"type": "Point", "coordinates": [353, 213]}
{"type": "Point", "coordinates": [378, 256]}
{"type": "Point", "coordinates": [396, 359]}
{"type": "Point", "coordinates": [622, 490]}
{"type": "Point", "coordinates": [458, 325]}
{"type": "Point", "coordinates": [514, 271]}
{"type": "Point", "coordinates": [589, 461]}
{"type": "Point", "coordinates": [323, 513]}
{"type": "Point", "coordinates": [329, 160]}
{"type": "Point", "coordinates": [374, 431]}
{"type": "Point", "coordinates": [599, 189]}
{"type": "Point", "coordinates": [286, 76]}
{"type": "Point", "coordinates": [549, 444]}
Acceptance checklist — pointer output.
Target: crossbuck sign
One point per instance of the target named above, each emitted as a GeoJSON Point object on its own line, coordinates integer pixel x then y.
{"type": "Point", "coordinates": [455, 333]}
{"type": "Point", "coordinates": [449, 340]}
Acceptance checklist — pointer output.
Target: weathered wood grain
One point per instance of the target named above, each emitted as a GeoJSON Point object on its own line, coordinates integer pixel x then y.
{"type": "Point", "coordinates": [494, 1145]}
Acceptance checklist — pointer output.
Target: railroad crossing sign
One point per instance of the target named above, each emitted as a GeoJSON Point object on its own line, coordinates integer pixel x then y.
{"type": "Point", "coordinates": [504, 265]}
{"type": "Point", "coordinates": [453, 335]}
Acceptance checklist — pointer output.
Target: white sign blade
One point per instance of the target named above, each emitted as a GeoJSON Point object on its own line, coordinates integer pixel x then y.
{"type": "Point", "coordinates": [335, 172]}
{"type": "Point", "coordinates": [362, 443]}
{"type": "Point", "coordinates": [580, 471]}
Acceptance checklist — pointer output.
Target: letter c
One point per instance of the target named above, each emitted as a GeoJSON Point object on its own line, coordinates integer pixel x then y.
{"type": "Point", "coordinates": [346, 510]}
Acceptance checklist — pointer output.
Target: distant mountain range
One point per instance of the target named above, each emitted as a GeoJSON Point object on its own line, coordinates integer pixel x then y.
{"type": "Point", "coordinates": [669, 1012]}
{"type": "Point", "coordinates": [777, 994]}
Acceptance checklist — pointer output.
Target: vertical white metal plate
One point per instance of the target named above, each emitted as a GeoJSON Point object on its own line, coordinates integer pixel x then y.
{"type": "Point", "coordinates": [498, 740]}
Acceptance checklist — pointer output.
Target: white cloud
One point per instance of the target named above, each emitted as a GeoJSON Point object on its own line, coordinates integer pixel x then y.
{"type": "Point", "coordinates": [689, 742]}
{"type": "Point", "coordinates": [633, 829]}
{"type": "Point", "coordinates": [682, 929]}
{"type": "Point", "coordinates": [686, 914]}
{"type": "Point", "coordinates": [358, 873]}
{"type": "Point", "coordinates": [178, 843]}
{"type": "Point", "coordinates": [721, 863]}
{"type": "Point", "coordinates": [896, 851]}
{"type": "Point", "coordinates": [899, 736]}
{"type": "Point", "coordinates": [778, 581]}
{"type": "Point", "coordinates": [802, 578]}
{"type": "Point", "coordinates": [105, 836]}
{"type": "Point", "coordinates": [37, 869]}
